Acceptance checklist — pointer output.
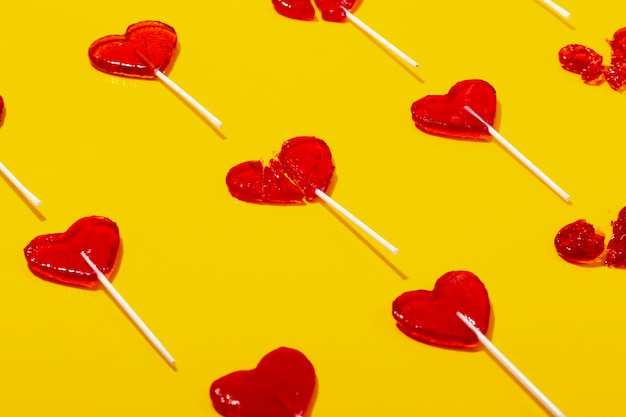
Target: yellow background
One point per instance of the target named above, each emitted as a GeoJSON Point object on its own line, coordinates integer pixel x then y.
{"type": "Point", "coordinates": [223, 282]}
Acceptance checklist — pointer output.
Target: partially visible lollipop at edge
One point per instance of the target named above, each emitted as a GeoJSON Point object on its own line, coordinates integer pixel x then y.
{"type": "Point", "coordinates": [335, 11]}
{"type": "Point", "coordinates": [12, 178]}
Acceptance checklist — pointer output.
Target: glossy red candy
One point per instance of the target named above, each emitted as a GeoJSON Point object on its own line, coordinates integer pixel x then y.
{"type": "Point", "coordinates": [616, 255]}
{"type": "Point", "coordinates": [585, 61]}
{"type": "Point", "coordinates": [144, 47]}
{"type": "Point", "coordinates": [331, 10]}
{"type": "Point", "coordinates": [281, 385]}
{"type": "Point", "coordinates": [295, 9]}
{"type": "Point", "coordinates": [580, 243]}
{"type": "Point", "coordinates": [303, 165]}
{"type": "Point", "coordinates": [582, 60]}
{"type": "Point", "coordinates": [430, 316]}
{"type": "Point", "coordinates": [56, 257]}
{"type": "Point", "coordinates": [444, 115]}
{"type": "Point", "coordinates": [1, 109]}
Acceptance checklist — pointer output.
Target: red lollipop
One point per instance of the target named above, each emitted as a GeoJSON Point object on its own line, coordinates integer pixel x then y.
{"type": "Point", "coordinates": [302, 170]}
{"type": "Point", "coordinates": [456, 314]}
{"type": "Point", "coordinates": [335, 11]}
{"type": "Point", "coordinates": [9, 175]}
{"type": "Point", "coordinates": [144, 51]}
{"type": "Point", "coordinates": [468, 111]}
{"type": "Point", "coordinates": [430, 316]}
{"type": "Point", "coordinates": [80, 257]}
{"type": "Point", "coordinates": [281, 385]}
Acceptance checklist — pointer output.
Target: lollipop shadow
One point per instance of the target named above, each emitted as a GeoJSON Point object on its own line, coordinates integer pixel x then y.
{"type": "Point", "coordinates": [395, 57]}
{"type": "Point", "coordinates": [358, 233]}
{"type": "Point", "coordinates": [563, 19]}
{"type": "Point", "coordinates": [185, 100]}
{"type": "Point", "coordinates": [111, 277]}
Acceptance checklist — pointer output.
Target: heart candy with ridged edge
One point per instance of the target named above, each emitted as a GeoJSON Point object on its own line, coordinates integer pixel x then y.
{"type": "Point", "coordinates": [430, 316]}
{"type": "Point", "coordinates": [120, 55]}
{"type": "Point", "coordinates": [445, 115]}
{"type": "Point", "coordinates": [303, 165]}
{"type": "Point", "coordinates": [282, 385]}
{"type": "Point", "coordinates": [331, 10]}
{"type": "Point", "coordinates": [56, 257]}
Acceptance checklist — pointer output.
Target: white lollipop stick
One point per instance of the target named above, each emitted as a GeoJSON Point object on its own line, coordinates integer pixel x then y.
{"type": "Point", "coordinates": [558, 9]}
{"type": "Point", "coordinates": [321, 194]}
{"type": "Point", "coordinates": [129, 310]}
{"type": "Point", "coordinates": [379, 38]}
{"type": "Point", "coordinates": [17, 184]}
{"type": "Point", "coordinates": [520, 157]}
{"type": "Point", "coordinates": [192, 101]}
{"type": "Point", "coordinates": [510, 367]}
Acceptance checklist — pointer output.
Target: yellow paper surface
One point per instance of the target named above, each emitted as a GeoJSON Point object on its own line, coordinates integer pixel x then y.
{"type": "Point", "coordinates": [223, 282]}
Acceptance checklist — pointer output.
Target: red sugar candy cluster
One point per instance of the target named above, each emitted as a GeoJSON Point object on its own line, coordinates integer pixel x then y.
{"type": "Point", "coordinates": [583, 60]}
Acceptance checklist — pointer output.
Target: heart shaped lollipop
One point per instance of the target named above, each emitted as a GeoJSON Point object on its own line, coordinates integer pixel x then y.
{"type": "Point", "coordinates": [281, 385]}
{"type": "Point", "coordinates": [335, 11]}
{"type": "Point", "coordinates": [332, 10]}
{"type": "Point", "coordinates": [303, 169]}
{"type": "Point", "coordinates": [303, 165]}
{"type": "Point", "coordinates": [119, 54]}
{"type": "Point", "coordinates": [56, 257]}
{"type": "Point", "coordinates": [144, 51]}
{"type": "Point", "coordinates": [445, 115]}
{"type": "Point", "coordinates": [430, 316]}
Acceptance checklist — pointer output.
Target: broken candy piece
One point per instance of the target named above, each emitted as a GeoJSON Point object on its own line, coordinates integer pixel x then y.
{"type": "Point", "coordinates": [579, 243]}
{"type": "Point", "coordinates": [120, 54]}
{"type": "Point", "coordinates": [582, 60]}
{"type": "Point", "coordinates": [616, 254]}
{"type": "Point", "coordinates": [445, 115]}
{"type": "Point", "coordinates": [331, 10]}
{"type": "Point", "coordinates": [303, 165]}
{"type": "Point", "coordinates": [430, 316]}
{"type": "Point", "coordinates": [56, 257]}
{"type": "Point", "coordinates": [295, 9]}
{"type": "Point", "coordinates": [281, 385]}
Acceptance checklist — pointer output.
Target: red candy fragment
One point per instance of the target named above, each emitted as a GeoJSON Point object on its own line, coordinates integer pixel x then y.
{"type": "Point", "coordinates": [580, 243]}
{"type": "Point", "coordinates": [616, 255]}
{"type": "Point", "coordinates": [430, 316]}
{"type": "Point", "coordinates": [281, 385]}
{"type": "Point", "coordinates": [331, 10]}
{"type": "Point", "coordinates": [1, 109]}
{"type": "Point", "coordinates": [56, 257]}
{"type": "Point", "coordinates": [295, 9]}
{"type": "Point", "coordinates": [444, 115]}
{"type": "Point", "coordinates": [581, 60]}
{"type": "Point", "coordinates": [303, 165]}
{"type": "Point", "coordinates": [144, 47]}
